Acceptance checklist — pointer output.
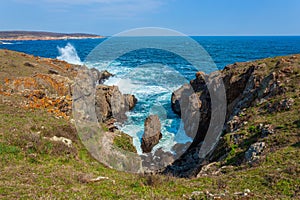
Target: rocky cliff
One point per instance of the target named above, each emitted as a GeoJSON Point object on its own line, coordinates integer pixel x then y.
{"type": "Point", "coordinates": [257, 155]}
{"type": "Point", "coordinates": [256, 92]}
{"type": "Point", "coordinates": [40, 83]}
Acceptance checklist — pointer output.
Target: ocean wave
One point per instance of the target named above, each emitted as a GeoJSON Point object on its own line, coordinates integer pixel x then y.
{"type": "Point", "coordinates": [69, 54]}
{"type": "Point", "coordinates": [5, 42]}
{"type": "Point", "coordinates": [152, 84]}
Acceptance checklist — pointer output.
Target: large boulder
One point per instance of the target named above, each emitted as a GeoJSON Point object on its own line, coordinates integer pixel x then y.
{"type": "Point", "coordinates": [152, 133]}
{"type": "Point", "coordinates": [112, 104]}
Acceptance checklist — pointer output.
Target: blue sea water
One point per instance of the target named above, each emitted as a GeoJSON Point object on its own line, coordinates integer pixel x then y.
{"type": "Point", "coordinates": [153, 85]}
{"type": "Point", "coordinates": [223, 49]}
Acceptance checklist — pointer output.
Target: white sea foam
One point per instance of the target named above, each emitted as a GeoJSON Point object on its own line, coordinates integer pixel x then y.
{"type": "Point", "coordinates": [69, 54]}
{"type": "Point", "coordinates": [125, 85]}
{"type": "Point", "coordinates": [5, 42]}
{"type": "Point", "coordinates": [152, 85]}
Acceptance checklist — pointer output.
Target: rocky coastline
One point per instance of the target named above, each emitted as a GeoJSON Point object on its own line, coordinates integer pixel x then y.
{"type": "Point", "coordinates": [261, 124]}
{"type": "Point", "coordinates": [270, 85]}
{"type": "Point", "coordinates": [35, 35]}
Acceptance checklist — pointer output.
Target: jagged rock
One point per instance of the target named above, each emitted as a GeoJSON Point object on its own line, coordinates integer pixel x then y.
{"type": "Point", "coordinates": [130, 100]}
{"type": "Point", "coordinates": [104, 75]}
{"type": "Point", "coordinates": [100, 76]}
{"type": "Point", "coordinates": [111, 103]}
{"type": "Point", "coordinates": [252, 154]}
{"type": "Point", "coordinates": [246, 84]}
{"type": "Point", "coordinates": [152, 133]}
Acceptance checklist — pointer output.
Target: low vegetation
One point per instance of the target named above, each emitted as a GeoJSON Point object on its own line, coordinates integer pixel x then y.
{"type": "Point", "coordinates": [35, 167]}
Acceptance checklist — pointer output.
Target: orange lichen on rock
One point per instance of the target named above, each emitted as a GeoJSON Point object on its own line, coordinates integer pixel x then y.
{"type": "Point", "coordinates": [56, 83]}
{"type": "Point", "coordinates": [20, 84]}
{"type": "Point", "coordinates": [6, 80]}
{"type": "Point", "coordinates": [60, 106]}
{"type": "Point", "coordinates": [3, 92]}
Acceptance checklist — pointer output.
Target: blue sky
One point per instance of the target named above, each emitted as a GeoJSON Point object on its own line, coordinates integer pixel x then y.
{"type": "Point", "coordinates": [191, 17]}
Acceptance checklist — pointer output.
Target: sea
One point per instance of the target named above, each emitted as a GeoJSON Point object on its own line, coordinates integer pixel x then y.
{"type": "Point", "coordinates": [153, 74]}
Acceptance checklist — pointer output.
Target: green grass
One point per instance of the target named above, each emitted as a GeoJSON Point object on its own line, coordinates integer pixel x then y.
{"type": "Point", "coordinates": [33, 167]}
{"type": "Point", "coordinates": [44, 174]}
{"type": "Point", "coordinates": [124, 142]}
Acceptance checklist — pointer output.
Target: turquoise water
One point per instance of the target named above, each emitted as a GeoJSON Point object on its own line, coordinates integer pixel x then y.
{"type": "Point", "coordinates": [152, 74]}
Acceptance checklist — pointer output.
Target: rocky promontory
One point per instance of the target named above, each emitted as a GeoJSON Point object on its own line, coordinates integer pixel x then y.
{"type": "Point", "coordinates": [40, 83]}
{"type": "Point", "coordinates": [42, 155]}
{"type": "Point", "coordinates": [38, 35]}
{"type": "Point", "coordinates": [261, 97]}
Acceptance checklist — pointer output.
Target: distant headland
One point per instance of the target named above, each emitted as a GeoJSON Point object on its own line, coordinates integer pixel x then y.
{"type": "Point", "coordinates": [39, 35]}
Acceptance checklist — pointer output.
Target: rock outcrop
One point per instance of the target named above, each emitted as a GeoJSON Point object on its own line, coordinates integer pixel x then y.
{"type": "Point", "coordinates": [49, 84]}
{"type": "Point", "coordinates": [246, 85]}
{"type": "Point", "coordinates": [112, 104]}
{"type": "Point", "coordinates": [252, 154]}
{"type": "Point", "coordinates": [152, 133]}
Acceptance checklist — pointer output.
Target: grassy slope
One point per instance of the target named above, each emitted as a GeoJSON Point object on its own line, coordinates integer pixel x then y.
{"type": "Point", "coordinates": [34, 167]}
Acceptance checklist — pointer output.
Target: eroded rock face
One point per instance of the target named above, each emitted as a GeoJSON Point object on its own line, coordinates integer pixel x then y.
{"type": "Point", "coordinates": [111, 103]}
{"type": "Point", "coordinates": [246, 85]}
{"type": "Point", "coordinates": [152, 133]}
{"type": "Point", "coordinates": [100, 76]}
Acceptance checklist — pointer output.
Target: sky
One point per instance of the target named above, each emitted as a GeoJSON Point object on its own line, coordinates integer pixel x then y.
{"type": "Point", "coordinates": [191, 17]}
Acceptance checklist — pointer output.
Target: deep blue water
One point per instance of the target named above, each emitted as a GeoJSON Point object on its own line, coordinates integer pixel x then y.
{"type": "Point", "coordinates": [152, 74]}
{"type": "Point", "coordinates": [223, 49]}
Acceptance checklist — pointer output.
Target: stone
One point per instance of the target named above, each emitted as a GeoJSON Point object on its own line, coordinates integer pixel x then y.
{"type": "Point", "coordinates": [266, 130]}
{"type": "Point", "coordinates": [100, 77]}
{"type": "Point", "coordinates": [104, 75]}
{"type": "Point", "coordinates": [52, 71]}
{"type": "Point", "coordinates": [64, 140]}
{"type": "Point", "coordinates": [130, 101]}
{"type": "Point", "coordinates": [152, 133]}
{"type": "Point", "coordinates": [29, 64]}
{"type": "Point", "coordinates": [252, 154]}
{"type": "Point", "coordinates": [111, 103]}
{"type": "Point", "coordinates": [247, 191]}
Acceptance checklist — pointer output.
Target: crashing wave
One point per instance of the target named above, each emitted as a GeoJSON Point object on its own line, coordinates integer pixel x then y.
{"type": "Point", "coordinates": [69, 54]}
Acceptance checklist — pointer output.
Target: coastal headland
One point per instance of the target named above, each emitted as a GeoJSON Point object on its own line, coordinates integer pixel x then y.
{"type": "Point", "coordinates": [40, 35]}
{"type": "Point", "coordinates": [42, 155]}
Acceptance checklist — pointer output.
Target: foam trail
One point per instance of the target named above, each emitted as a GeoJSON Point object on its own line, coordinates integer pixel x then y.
{"type": "Point", "coordinates": [5, 42]}
{"type": "Point", "coordinates": [69, 54]}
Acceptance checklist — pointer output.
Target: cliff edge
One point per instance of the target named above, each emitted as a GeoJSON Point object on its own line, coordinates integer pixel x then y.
{"type": "Point", "coordinates": [262, 114]}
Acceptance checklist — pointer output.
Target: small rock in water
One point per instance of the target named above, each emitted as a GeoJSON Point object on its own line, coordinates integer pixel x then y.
{"type": "Point", "coordinates": [152, 133]}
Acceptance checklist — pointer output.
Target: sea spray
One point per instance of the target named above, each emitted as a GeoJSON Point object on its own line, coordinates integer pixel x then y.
{"type": "Point", "coordinates": [69, 54]}
{"type": "Point", "coordinates": [152, 84]}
